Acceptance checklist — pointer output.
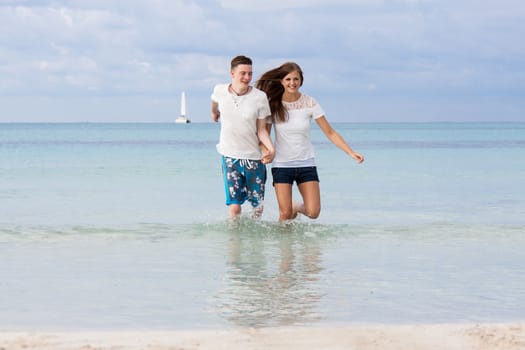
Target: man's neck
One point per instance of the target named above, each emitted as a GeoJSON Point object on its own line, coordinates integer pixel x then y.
{"type": "Point", "coordinates": [239, 89]}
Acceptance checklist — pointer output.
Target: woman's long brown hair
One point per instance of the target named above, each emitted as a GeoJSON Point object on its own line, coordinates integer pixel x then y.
{"type": "Point", "coordinates": [270, 83]}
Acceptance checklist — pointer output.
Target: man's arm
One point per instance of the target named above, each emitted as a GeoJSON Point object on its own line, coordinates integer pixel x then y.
{"type": "Point", "coordinates": [264, 137]}
{"type": "Point", "coordinates": [215, 113]}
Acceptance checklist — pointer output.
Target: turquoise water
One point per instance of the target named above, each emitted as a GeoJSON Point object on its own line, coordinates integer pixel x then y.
{"type": "Point", "coordinates": [124, 226]}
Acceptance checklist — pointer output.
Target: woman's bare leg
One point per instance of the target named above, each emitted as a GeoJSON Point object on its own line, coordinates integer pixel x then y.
{"type": "Point", "coordinates": [283, 192]}
{"type": "Point", "coordinates": [311, 199]}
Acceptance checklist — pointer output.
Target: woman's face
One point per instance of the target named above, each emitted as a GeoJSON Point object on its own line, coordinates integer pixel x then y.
{"type": "Point", "coordinates": [292, 82]}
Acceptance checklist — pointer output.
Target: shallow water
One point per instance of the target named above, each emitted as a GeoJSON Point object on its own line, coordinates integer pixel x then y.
{"type": "Point", "coordinates": [107, 226]}
{"type": "Point", "coordinates": [259, 274]}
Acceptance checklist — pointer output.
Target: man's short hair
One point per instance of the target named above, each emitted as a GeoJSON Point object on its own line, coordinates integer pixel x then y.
{"type": "Point", "coordinates": [240, 60]}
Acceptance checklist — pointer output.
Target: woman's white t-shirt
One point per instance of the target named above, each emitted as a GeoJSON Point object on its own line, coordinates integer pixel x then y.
{"type": "Point", "coordinates": [293, 145]}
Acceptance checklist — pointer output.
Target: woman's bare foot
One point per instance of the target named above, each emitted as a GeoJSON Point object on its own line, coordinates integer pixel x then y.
{"type": "Point", "coordinates": [296, 209]}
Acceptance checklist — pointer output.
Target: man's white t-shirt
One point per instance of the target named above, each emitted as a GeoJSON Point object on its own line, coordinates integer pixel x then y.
{"type": "Point", "coordinates": [293, 146]}
{"type": "Point", "coordinates": [238, 117]}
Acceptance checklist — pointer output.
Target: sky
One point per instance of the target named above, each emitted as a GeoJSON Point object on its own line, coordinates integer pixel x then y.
{"type": "Point", "coordinates": [363, 60]}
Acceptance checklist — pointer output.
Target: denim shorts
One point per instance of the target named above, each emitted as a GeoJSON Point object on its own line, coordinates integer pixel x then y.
{"type": "Point", "coordinates": [299, 175]}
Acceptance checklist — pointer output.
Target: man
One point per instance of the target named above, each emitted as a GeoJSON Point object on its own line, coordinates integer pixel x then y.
{"type": "Point", "coordinates": [242, 110]}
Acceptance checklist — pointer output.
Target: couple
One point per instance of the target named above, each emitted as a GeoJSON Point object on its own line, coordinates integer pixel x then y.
{"type": "Point", "coordinates": [247, 114]}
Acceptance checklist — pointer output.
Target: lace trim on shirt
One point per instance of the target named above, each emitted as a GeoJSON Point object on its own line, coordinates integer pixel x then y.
{"type": "Point", "coordinates": [303, 102]}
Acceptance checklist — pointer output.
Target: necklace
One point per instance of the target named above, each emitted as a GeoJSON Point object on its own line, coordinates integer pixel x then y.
{"type": "Point", "coordinates": [237, 98]}
{"type": "Point", "coordinates": [239, 93]}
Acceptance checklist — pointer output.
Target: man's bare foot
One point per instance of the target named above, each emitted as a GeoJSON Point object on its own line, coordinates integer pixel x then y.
{"type": "Point", "coordinates": [257, 212]}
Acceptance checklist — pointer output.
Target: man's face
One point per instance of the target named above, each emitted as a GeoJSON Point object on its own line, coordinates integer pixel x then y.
{"type": "Point", "coordinates": [242, 74]}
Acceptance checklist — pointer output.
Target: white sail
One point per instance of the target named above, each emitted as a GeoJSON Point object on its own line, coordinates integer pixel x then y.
{"type": "Point", "coordinates": [183, 105]}
{"type": "Point", "coordinates": [182, 118]}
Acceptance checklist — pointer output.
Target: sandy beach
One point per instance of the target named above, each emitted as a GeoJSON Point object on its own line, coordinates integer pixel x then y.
{"type": "Point", "coordinates": [396, 337]}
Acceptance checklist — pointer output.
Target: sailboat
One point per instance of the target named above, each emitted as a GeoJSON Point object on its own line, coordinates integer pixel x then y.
{"type": "Point", "coordinates": [182, 118]}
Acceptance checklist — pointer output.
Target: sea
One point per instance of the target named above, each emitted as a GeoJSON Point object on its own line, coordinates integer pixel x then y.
{"type": "Point", "coordinates": [124, 227]}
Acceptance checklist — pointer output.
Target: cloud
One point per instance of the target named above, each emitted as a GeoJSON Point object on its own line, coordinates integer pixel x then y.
{"type": "Point", "coordinates": [352, 48]}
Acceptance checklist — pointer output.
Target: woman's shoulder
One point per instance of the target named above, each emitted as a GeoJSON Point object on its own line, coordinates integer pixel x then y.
{"type": "Point", "coordinates": [309, 100]}
{"type": "Point", "coordinates": [304, 102]}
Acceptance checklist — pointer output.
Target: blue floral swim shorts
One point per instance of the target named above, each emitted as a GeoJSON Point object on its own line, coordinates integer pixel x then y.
{"type": "Point", "coordinates": [244, 179]}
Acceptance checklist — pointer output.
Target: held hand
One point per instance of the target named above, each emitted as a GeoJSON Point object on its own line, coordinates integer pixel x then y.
{"type": "Point", "coordinates": [267, 156]}
{"type": "Point", "coordinates": [358, 157]}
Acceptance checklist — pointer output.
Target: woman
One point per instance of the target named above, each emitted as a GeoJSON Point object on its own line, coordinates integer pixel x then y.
{"type": "Point", "coordinates": [292, 112]}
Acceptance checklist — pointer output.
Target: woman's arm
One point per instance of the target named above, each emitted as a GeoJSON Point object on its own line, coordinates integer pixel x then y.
{"type": "Point", "coordinates": [337, 139]}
